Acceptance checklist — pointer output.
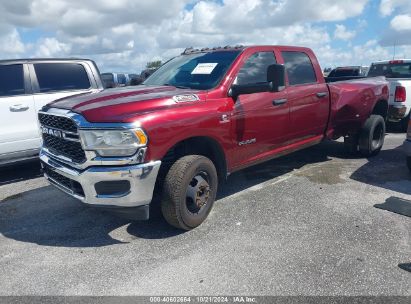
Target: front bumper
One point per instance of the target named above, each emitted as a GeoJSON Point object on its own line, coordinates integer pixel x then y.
{"type": "Point", "coordinates": [407, 147]}
{"type": "Point", "coordinates": [97, 185]}
{"type": "Point", "coordinates": [396, 112]}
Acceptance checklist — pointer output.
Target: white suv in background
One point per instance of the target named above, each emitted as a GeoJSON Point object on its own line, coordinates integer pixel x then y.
{"type": "Point", "coordinates": [25, 87]}
{"type": "Point", "coordinates": [398, 74]}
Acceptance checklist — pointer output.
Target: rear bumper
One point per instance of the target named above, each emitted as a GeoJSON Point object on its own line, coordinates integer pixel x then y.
{"type": "Point", "coordinates": [407, 147]}
{"type": "Point", "coordinates": [396, 112]}
{"type": "Point", "coordinates": [105, 186]}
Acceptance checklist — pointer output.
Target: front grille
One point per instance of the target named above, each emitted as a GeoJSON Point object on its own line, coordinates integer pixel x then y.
{"type": "Point", "coordinates": [58, 122]}
{"type": "Point", "coordinates": [64, 181]}
{"type": "Point", "coordinates": [61, 146]}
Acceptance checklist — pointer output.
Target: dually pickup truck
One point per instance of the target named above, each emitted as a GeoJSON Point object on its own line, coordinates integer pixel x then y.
{"type": "Point", "coordinates": [200, 117]}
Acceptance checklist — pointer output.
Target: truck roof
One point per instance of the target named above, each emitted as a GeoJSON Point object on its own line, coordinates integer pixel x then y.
{"type": "Point", "coordinates": [28, 60]}
{"type": "Point", "coordinates": [391, 61]}
{"type": "Point", "coordinates": [191, 50]}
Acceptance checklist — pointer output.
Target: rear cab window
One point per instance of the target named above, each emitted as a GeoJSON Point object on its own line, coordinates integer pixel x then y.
{"type": "Point", "coordinates": [299, 68]}
{"type": "Point", "coordinates": [394, 69]}
{"type": "Point", "coordinates": [53, 77]}
{"type": "Point", "coordinates": [11, 80]}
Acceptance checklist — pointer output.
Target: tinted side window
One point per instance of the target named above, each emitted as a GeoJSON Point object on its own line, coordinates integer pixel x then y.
{"type": "Point", "coordinates": [61, 77]}
{"type": "Point", "coordinates": [254, 69]}
{"type": "Point", "coordinates": [299, 68]}
{"type": "Point", "coordinates": [11, 80]}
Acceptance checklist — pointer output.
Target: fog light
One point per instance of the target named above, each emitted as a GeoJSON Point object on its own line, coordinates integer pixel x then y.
{"type": "Point", "coordinates": [112, 188]}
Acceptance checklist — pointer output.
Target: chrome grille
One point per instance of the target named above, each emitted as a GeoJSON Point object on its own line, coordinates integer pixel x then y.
{"type": "Point", "coordinates": [61, 146]}
{"type": "Point", "coordinates": [58, 122]}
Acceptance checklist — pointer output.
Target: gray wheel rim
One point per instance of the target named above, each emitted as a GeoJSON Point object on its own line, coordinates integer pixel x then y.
{"type": "Point", "coordinates": [198, 193]}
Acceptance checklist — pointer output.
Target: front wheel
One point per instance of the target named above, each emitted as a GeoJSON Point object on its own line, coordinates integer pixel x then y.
{"type": "Point", "coordinates": [372, 136]}
{"type": "Point", "coordinates": [409, 162]}
{"type": "Point", "coordinates": [189, 191]}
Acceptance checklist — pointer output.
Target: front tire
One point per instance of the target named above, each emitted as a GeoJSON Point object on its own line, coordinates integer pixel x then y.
{"type": "Point", "coordinates": [372, 136]}
{"type": "Point", "coordinates": [409, 162]}
{"type": "Point", "coordinates": [189, 191]}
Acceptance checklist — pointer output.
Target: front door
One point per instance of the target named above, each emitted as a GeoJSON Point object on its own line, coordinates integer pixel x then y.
{"type": "Point", "coordinates": [260, 120]}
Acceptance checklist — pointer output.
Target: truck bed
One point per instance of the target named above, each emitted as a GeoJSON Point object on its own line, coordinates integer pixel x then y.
{"type": "Point", "coordinates": [351, 102]}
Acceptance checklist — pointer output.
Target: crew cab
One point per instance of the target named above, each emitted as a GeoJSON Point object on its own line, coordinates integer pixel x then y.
{"type": "Point", "coordinates": [26, 85]}
{"type": "Point", "coordinates": [398, 74]}
{"type": "Point", "coordinates": [200, 117]}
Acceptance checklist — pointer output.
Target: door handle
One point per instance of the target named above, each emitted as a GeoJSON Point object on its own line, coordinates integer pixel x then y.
{"type": "Point", "coordinates": [322, 94]}
{"type": "Point", "coordinates": [18, 108]}
{"type": "Point", "coordinates": [278, 102]}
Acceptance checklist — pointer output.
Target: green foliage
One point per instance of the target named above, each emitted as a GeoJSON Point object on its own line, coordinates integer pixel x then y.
{"type": "Point", "coordinates": [153, 64]}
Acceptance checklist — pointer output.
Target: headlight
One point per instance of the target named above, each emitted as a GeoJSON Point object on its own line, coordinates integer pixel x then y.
{"type": "Point", "coordinates": [113, 142]}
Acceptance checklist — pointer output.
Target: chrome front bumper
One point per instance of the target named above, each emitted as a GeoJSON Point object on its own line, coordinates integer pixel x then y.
{"type": "Point", "coordinates": [141, 178]}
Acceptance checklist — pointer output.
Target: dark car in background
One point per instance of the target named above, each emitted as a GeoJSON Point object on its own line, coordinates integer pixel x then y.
{"type": "Point", "coordinates": [113, 80]}
{"type": "Point", "coordinates": [348, 71]}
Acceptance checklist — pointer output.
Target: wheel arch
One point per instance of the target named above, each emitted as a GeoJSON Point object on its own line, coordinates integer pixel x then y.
{"type": "Point", "coordinates": [380, 108]}
{"type": "Point", "coordinates": [200, 145]}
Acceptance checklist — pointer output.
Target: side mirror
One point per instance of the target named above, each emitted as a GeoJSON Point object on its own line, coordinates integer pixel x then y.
{"type": "Point", "coordinates": [276, 77]}
{"type": "Point", "coordinates": [275, 83]}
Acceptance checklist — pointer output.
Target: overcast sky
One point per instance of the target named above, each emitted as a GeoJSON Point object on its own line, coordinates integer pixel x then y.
{"type": "Point", "coordinates": [122, 35]}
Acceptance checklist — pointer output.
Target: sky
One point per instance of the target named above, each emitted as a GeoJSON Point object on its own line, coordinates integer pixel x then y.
{"type": "Point", "coordinates": [123, 35]}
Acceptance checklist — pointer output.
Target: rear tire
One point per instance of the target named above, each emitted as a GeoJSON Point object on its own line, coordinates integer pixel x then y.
{"type": "Point", "coordinates": [409, 162]}
{"type": "Point", "coordinates": [372, 136]}
{"type": "Point", "coordinates": [189, 191]}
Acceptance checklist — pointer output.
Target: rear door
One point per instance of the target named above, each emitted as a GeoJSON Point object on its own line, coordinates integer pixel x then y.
{"type": "Point", "coordinates": [18, 122]}
{"type": "Point", "coordinates": [261, 120]}
{"type": "Point", "coordinates": [308, 96]}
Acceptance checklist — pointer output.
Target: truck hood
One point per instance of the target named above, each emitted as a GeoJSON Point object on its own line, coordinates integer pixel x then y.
{"type": "Point", "coordinates": [122, 104]}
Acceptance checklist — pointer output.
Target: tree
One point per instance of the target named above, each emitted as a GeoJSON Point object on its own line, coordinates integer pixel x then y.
{"type": "Point", "coordinates": [153, 64]}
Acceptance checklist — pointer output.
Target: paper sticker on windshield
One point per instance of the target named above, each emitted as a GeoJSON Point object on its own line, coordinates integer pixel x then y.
{"type": "Point", "coordinates": [204, 68]}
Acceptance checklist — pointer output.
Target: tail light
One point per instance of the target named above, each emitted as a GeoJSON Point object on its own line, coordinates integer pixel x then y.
{"type": "Point", "coordinates": [400, 94]}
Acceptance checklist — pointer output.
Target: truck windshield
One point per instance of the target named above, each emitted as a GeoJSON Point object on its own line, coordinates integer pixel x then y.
{"type": "Point", "coordinates": [391, 70]}
{"type": "Point", "coordinates": [201, 71]}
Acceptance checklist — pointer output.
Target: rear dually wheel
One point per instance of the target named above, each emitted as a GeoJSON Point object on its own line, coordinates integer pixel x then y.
{"type": "Point", "coordinates": [372, 134]}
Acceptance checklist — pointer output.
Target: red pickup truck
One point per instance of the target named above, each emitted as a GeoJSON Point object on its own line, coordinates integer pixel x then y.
{"type": "Point", "coordinates": [200, 117]}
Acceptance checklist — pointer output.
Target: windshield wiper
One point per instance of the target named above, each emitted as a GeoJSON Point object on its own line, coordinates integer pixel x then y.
{"type": "Point", "coordinates": [176, 86]}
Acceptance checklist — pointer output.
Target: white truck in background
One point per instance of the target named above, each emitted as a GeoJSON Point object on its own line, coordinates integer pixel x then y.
{"type": "Point", "coordinates": [26, 85]}
{"type": "Point", "coordinates": [398, 74]}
